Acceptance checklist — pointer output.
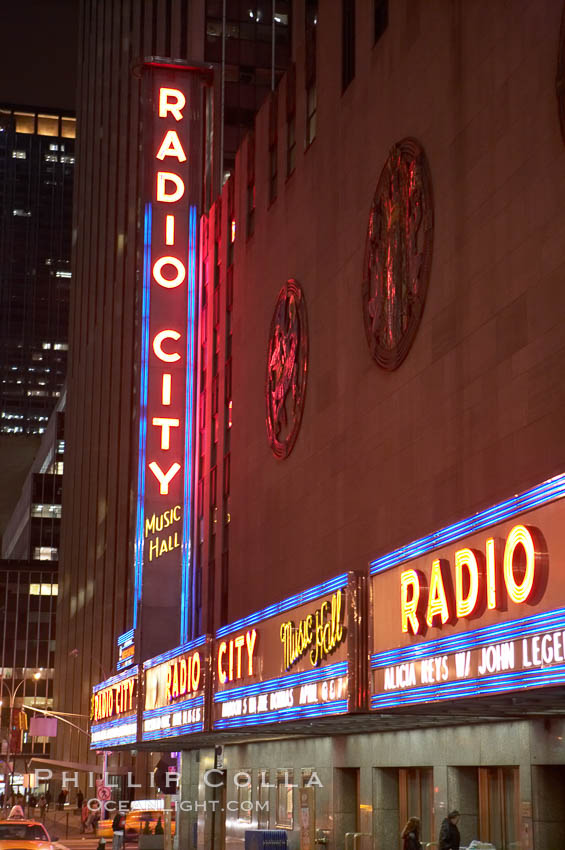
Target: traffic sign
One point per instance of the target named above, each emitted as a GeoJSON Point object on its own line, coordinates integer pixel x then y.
{"type": "Point", "coordinates": [103, 793]}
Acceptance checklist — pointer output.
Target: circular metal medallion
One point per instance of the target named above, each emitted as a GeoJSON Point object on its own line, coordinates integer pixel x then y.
{"type": "Point", "coordinates": [398, 254]}
{"type": "Point", "coordinates": [287, 369]}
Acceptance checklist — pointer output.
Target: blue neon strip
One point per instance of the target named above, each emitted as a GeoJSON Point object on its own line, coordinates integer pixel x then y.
{"type": "Point", "coordinates": [548, 621]}
{"type": "Point", "coordinates": [125, 637]}
{"type": "Point", "coordinates": [114, 681]}
{"type": "Point", "coordinates": [286, 604]}
{"type": "Point", "coordinates": [338, 706]}
{"type": "Point", "coordinates": [290, 681]}
{"type": "Point", "coordinates": [187, 729]}
{"type": "Point", "coordinates": [194, 702]}
{"type": "Point", "coordinates": [174, 653]}
{"type": "Point", "coordinates": [114, 742]}
{"type": "Point", "coordinates": [126, 662]}
{"type": "Point", "coordinates": [110, 724]}
{"type": "Point", "coordinates": [499, 683]}
{"type": "Point", "coordinates": [549, 491]}
{"type": "Point", "coordinates": [138, 553]}
{"type": "Point", "coordinates": [188, 428]}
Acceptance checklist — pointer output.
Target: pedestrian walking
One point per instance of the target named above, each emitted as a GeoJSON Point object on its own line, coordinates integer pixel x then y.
{"type": "Point", "coordinates": [80, 799]}
{"type": "Point", "coordinates": [411, 835]}
{"type": "Point", "coordinates": [42, 806]}
{"type": "Point", "coordinates": [118, 828]}
{"type": "Point", "coordinates": [449, 837]}
{"type": "Point", "coordinates": [84, 813]}
{"type": "Point", "coordinates": [94, 817]}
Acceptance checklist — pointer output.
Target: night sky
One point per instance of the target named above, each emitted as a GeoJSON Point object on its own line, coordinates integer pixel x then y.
{"type": "Point", "coordinates": [39, 52]}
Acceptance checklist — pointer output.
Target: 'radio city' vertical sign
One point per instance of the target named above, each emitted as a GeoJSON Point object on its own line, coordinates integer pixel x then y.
{"type": "Point", "coordinates": [172, 136]}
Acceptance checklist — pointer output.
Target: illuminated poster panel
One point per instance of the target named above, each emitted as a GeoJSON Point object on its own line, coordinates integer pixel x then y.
{"type": "Point", "coordinates": [475, 609]}
{"type": "Point", "coordinates": [300, 658]}
{"type": "Point", "coordinates": [172, 134]}
{"type": "Point", "coordinates": [113, 711]}
{"type": "Point", "coordinates": [175, 688]}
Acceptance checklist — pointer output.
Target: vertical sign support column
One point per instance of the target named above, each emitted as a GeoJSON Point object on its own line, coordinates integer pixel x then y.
{"type": "Point", "coordinates": [172, 190]}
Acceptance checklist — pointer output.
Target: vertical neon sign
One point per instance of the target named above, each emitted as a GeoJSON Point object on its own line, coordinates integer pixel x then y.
{"type": "Point", "coordinates": [172, 138]}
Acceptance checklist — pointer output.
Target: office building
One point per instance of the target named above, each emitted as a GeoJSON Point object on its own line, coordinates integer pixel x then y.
{"type": "Point", "coordinates": [28, 594]}
{"type": "Point", "coordinates": [32, 532]}
{"type": "Point", "coordinates": [36, 188]}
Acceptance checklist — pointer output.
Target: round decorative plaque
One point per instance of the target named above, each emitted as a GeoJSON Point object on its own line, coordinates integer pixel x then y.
{"type": "Point", "coordinates": [398, 254]}
{"type": "Point", "coordinates": [287, 369]}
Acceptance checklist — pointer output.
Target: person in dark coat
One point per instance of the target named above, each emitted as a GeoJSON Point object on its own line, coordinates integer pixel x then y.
{"type": "Point", "coordinates": [449, 837]}
{"type": "Point", "coordinates": [411, 835]}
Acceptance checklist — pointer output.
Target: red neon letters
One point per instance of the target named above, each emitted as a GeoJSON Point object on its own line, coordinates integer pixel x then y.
{"type": "Point", "coordinates": [169, 273]}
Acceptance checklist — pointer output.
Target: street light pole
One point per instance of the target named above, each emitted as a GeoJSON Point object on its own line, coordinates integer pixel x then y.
{"type": "Point", "coordinates": [12, 696]}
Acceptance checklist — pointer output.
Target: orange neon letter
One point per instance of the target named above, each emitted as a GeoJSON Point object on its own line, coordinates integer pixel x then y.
{"type": "Point", "coordinates": [165, 425]}
{"type": "Point", "coordinates": [177, 105]}
{"type": "Point", "coordinates": [164, 478]}
{"type": "Point", "coordinates": [465, 605]}
{"type": "Point", "coordinates": [221, 652]}
{"type": "Point", "coordinates": [437, 600]}
{"type": "Point", "coordinates": [238, 643]}
{"type": "Point", "coordinates": [519, 536]}
{"type": "Point", "coordinates": [491, 573]}
{"type": "Point", "coordinates": [157, 346]}
{"type": "Point", "coordinates": [164, 177]}
{"type": "Point", "coordinates": [250, 638]}
{"type": "Point", "coordinates": [195, 675]}
{"type": "Point", "coordinates": [173, 282]}
{"type": "Point", "coordinates": [171, 146]}
{"type": "Point", "coordinates": [166, 390]}
{"type": "Point", "coordinates": [409, 606]}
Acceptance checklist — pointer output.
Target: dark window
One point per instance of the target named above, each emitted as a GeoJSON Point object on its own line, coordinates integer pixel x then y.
{"type": "Point", "coordinates": [229, 289]}
{"type": "Point", "coordinates": [290, 120]}
{"type": "Point", "coordinates": [251, 185]}
{"type": "Point", "coordinates": [381, 18]}
{"type": "Point", "coordinates": [273, 145]}
{"type": "Point", "coordinates": [348, 42]}
{"type": "Point", "coordinates": [311, 23]}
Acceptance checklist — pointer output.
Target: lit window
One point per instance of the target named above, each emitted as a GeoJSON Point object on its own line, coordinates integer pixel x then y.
{"type": "Point", "coordinates": [54, 147]}
{"type": "Point", "coordinates": [68, 159]}
{"type": "Point", "coordinates": [68, 128]}
{"type": "Point", "coordinates": [46, 345]}
{"type": "Point", "coordinates": [51, 157]}
{"type": "Point", "coordinates": [62, 346]}
{"type": "Point", "coordinates": [46, 511]}
{"type": "Point", "coordinates": [19, 155]}
{"type": "Point", "coordinates": [62, 274]}
{"type": "Point", "coordinates": [22, 213]}
{"type": "Point", "coordinates": [44, 589]}
{"type": "Point", "coordinates": [25, 122]}
{"type": "Point", "coordinates": [47, 125]}
{"type": "Point", "coordinates": [45, 553]}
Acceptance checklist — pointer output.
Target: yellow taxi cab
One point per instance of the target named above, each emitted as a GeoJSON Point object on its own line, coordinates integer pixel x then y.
{"type": "Point", "coordinates": [136, 819]}
{"type": "Point", "coordinates": [22, 834]}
